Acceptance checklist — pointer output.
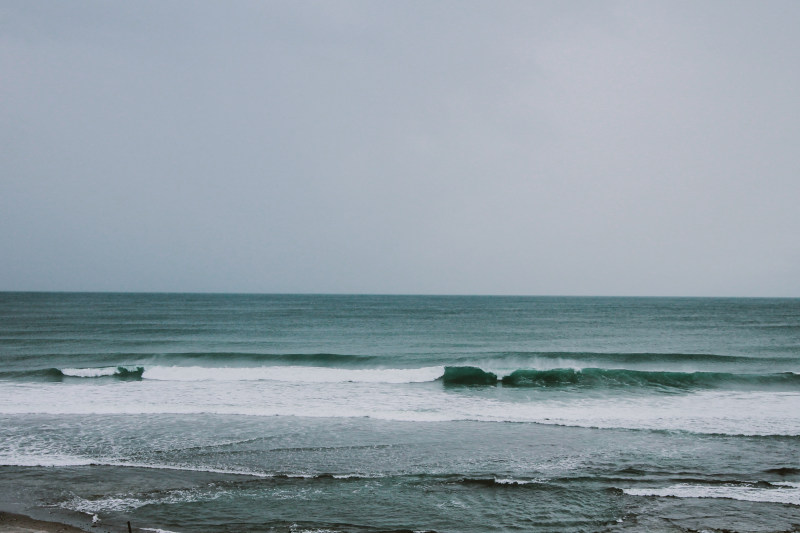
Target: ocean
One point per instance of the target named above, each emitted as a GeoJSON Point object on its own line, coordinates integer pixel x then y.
{"type": "Point", "coordinates": [319, 413]}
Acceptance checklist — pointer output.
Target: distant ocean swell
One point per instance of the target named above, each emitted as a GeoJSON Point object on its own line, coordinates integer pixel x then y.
{"type": "Point", "coordinates": [448, 375]}
{"type": "Point", "coordinates": [331, 358]}
{"type": "Point", "coordinates": [499, 357]}
{"type": "Point", "coordinates": [619, 357]}
{"type": "Point", "coordinates": [289, 358]}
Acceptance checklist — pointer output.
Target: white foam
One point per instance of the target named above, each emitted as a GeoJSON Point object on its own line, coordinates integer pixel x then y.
{"type": "Point", "coordinates": [723, 412]}
{"type": "Point", "coordinates": [300, 374]}
{"type": "Point", "coordinates": [77, 461]}
{"type": "Point", "coordinates": [89, 372]}
{"type": "Point", "coordinates": [44, 460]}
{"type": "Point", "coordinates": [787, 493]}
{"type": "Point", "coordinates": [516, 481]}
{"type": "Point", "coordinates": [129, 503]}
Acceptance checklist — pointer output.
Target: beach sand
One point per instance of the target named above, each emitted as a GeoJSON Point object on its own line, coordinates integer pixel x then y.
{"type": "Point", "coordinates": [16, 523]}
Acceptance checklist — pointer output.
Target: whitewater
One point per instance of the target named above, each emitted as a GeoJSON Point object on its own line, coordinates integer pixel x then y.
{"type": "Point", "coordinates": [405, 394]}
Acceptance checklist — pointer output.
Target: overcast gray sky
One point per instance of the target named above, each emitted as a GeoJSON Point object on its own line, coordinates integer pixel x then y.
{"type": "Point", "coordinates": [613, 148]}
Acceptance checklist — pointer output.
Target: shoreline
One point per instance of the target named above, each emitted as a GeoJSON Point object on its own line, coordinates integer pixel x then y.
{"type": "Point", "coordinates": [19, 523]}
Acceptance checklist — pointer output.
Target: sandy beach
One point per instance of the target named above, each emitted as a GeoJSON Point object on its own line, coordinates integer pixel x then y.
{"type": "Point", "coordinates": [16, 523]}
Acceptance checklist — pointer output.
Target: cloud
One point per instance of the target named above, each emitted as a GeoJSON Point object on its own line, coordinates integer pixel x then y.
{"type": "Point", "coordinates": [448, 147]}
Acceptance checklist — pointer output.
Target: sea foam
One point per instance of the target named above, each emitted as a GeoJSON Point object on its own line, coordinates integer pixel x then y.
{"type": "Point", "coordinates": [723, 411]}
{"type": "Point", "coordinates": [99, 372]}
{"type": "Point", "coordinates": [787, 493]}
{"type": "Point", "coordinates": [301, 374]}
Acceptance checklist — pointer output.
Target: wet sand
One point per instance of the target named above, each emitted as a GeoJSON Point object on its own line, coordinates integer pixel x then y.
{"type": "Point", "coordinates": [16, 523]}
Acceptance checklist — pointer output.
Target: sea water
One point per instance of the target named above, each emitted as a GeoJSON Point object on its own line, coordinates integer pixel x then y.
{"type": "Point", "coordinates": [189, 413]}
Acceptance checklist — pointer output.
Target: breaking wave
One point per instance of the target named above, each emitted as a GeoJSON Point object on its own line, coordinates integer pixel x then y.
{"type": "Point", "coordinates": [620, 378]}
{"type": "Point", "coordinates": [117, 372]}
{"type": "Point", "coordinates": [585, 378]}
{"type": "Point", "coordinates": [58, 374]}
{"type": "Point", "coordinates": [786, 493]}
{"type": "Point", "coordinates": [467, 375]}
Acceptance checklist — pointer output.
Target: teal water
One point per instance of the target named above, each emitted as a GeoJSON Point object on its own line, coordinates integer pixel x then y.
{"type": "Point", "coordinates": [401, 413]}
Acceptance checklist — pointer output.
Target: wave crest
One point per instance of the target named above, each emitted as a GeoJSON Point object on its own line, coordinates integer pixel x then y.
{"type": "Point", "coordinates": [119, 372]}
{"type": "Point", "coordinates": [587, 378]}
{"type": "Point", "coordinates": [467, 375]}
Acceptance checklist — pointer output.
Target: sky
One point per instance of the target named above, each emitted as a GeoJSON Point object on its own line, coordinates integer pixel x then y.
{"type": "Point", "coordinates": [412, 147]}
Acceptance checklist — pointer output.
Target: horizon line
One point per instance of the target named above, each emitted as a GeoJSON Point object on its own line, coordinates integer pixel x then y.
{"type": "Point", "coordinates": [398, 294]}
